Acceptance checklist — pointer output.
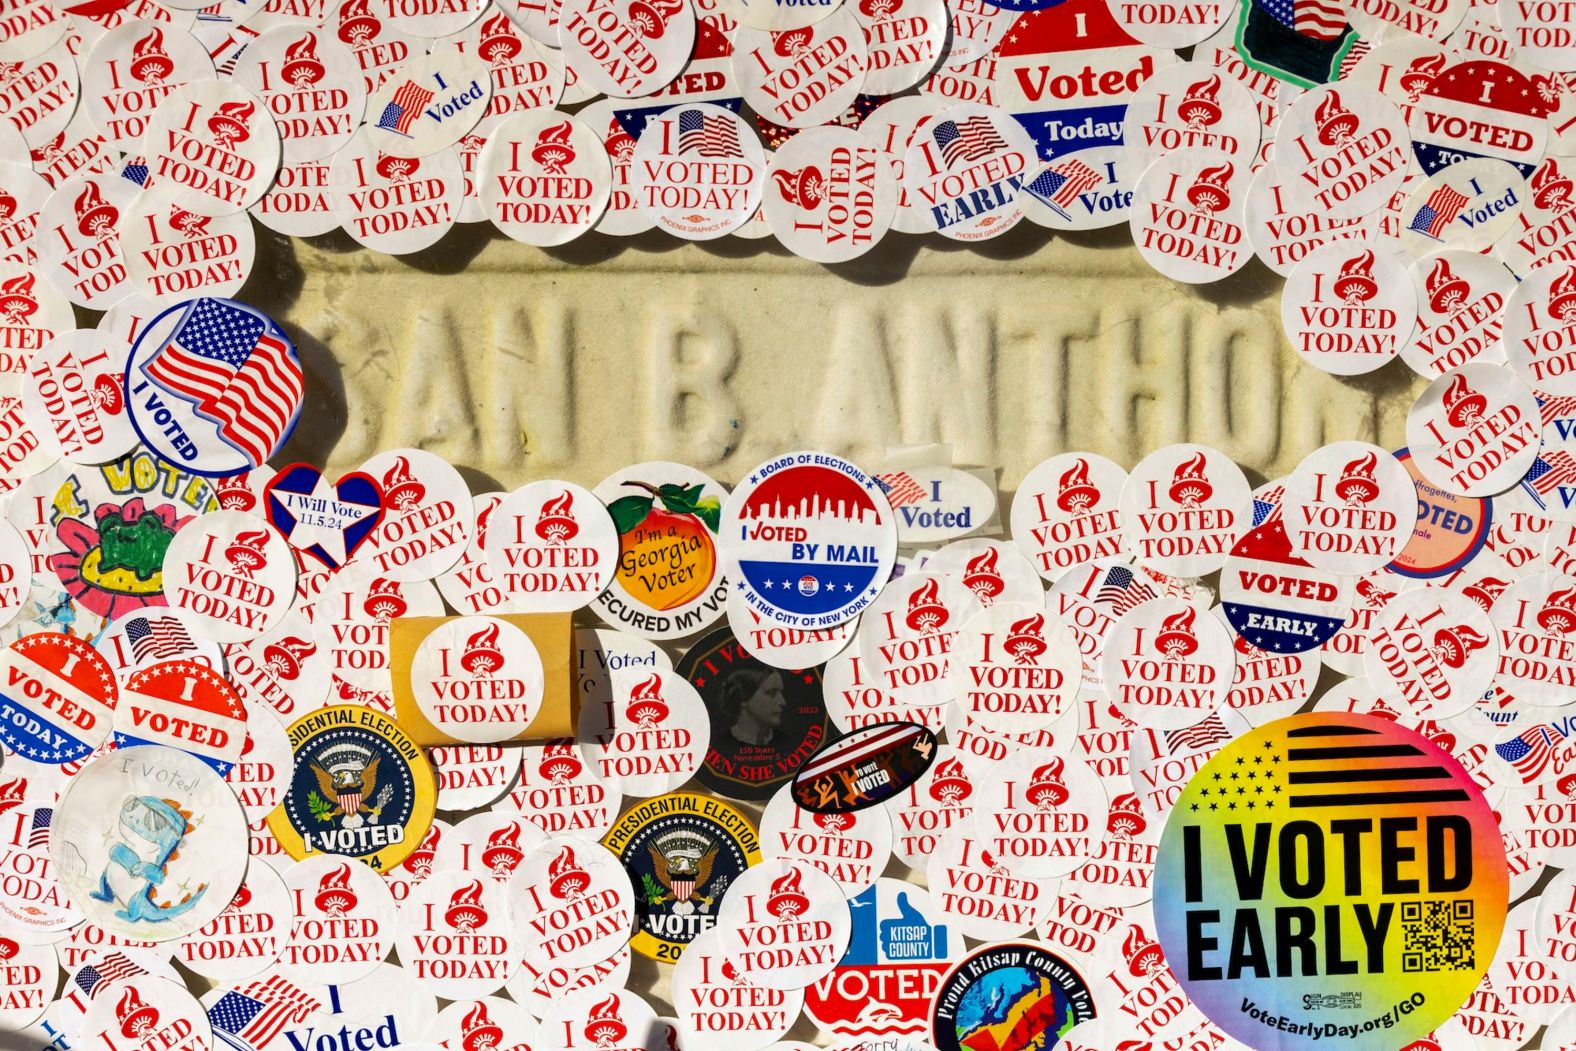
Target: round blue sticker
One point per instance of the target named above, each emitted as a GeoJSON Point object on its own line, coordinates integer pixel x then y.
{"type": "Point", "coordinates": [809, 539]}
{"type": "Point", "coordinates": [214, 386]}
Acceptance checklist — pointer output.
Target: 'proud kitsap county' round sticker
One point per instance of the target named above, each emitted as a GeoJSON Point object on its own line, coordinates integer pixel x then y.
{"type": "Point", "coordinates": [1305, 886]}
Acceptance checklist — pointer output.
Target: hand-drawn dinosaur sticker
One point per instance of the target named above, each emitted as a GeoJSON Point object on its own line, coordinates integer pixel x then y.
{"type": "Point", "coordinates": [149, 842]}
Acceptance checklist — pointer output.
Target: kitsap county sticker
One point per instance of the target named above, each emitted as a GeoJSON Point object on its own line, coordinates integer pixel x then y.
{"type": "Point", "coordinates": [361, 788]}
{"type": "Point", "coordinates": [1330, 876]}
{"type": "Point", "coordinates": [811, 537]}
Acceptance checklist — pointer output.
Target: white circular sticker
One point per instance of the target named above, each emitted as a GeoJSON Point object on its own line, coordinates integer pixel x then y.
{"type": "Point", "coordinates": [1282, 231]}
{"type": "Point", "coordinates": [1015, 668]}
{"type": "Point", "coordinates": [473, 775]}
{"type": "Point", "coordinates": [311, 83]}
{"type": "Point", "coordinates": [698, 171]}
{"type": "Point", "coordinates": [298, 204]}
{"type": "Point", "coordinates": [561, 792]}
{"type": "Point", "coordinates": [1065, 512]}
{"type": "Point", "coordinates": [247, 937]}
{"type": "Point", "coordinates": [830, 194]}
{"type": "Point", "coordinates": [351, 624]}
{"type": "Point", "coordinates": [784, 924]}
{"type": "Point", "coordinates": [233, 573]}
{"type": "Point", "coordinates": [981, 894]}
{"type": "Point", "coordinates": [147, 1012]}
{"type": "Point", "coordinates": [906, 40]}
{"type": "Point", "coordinates": [1431, 652]}
{"type": "Point", "coordinates": [599, 1019]}
{"type": "Point", "coordinates": [1348, 309]}
{"type": "Point", "coordinates": [630, 55]}
{"type": "Point", "coordinates": [1461, 311]}
{"type": "Point", "coordinates": [146, 636]}
{"type": "Point", "coordinates": [1089, 191]}
{"type": "Point", "coordinates": [1188, 215]}
{"type": "Point", "coordinates": [1041, 816]}
{"type": "Point", "coordinates": [1540, 329]}
{"type": "Point", "coordinates": [963, 168]}
{"type": "Point", "coordinates": [496, 840]}
{"type": "Point", "coordinates": [852, 848]}
{"type": "Point", "coordinates": [892, 126]}
{"type": "Point", "coordinates": [1475, 431]}
{"type": "Point", "coordinates": [572, 903]}
{"type": "Point", "coordinates": [779, 14]}
{"type": "Point", "coordinates": [1342, 150]}
{"type": "Point", "coordinates": [907, 637]}
{"type": "Point", "coordinates": [553, 546]}
{"type": "Point", "coordinates": [284, 670]}
{"type": "Point", "coordinates": [623, 217]}
{"type": "Point", "coordinates": [1168, 663]}
{"type": "Point", "coordinates": [454, 937]}
{"type": "Point", "coordinates": [428, 515]}
{"type": "Point", "coordinates": [1190, 106]}
{"type": "Point", "coordinates": [1468, 205]}
{"type": "Point", "coordinates": [74, 387]}
{"type": "Point", "coordinates": [483, 1024]}
{"type": "Point", "coordinates": [1206, 509]}
{"type": "Point", "coordinates": [16, 565]}
{"type": "Point", "coordinates": [854, 701]}
{"type": "Point", "coordinates": [716, 1000]}
{"type": "Point", "coordinates": [544, 177]}
{"type": "Point", "coordinates": [652, 735]}
{"type": "Point", "coordinates": [133, 68]}
{"type": "Point", "coordinates": [143, 810]}
{"type": "Point", "coordinates": [79, 252]}
{"type": "Point", "coordinates": [478, 679]}
{"type": "Point", "coordinates": [540, 989]}
{"type": "Point", "coordinates": [1349, 508]}
{"type": "Point", "coordinates": [393, 201]}
{"type": "Point", "coordinates": [1533, 619]}
{"type": "Point", "coordinates": [805, 75]}
{"type": "Point", "coordinates": [32, 977]}
{"type": "Point", "coordinates": [215, 141]}
{"type": "Point", "coordinates": [993, 571]}
{"type": "Point", "coordinates": [429, 104]}
{"type": "Point", "coordinates": [344, 919]}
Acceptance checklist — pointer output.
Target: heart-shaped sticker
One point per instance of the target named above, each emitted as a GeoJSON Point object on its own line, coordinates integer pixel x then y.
{"type": "Point", "coordinates": [327, 520]}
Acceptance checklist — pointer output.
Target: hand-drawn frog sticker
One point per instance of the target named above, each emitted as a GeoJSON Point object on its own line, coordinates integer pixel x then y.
{"type": "Point", "coordinates": [149, 842]}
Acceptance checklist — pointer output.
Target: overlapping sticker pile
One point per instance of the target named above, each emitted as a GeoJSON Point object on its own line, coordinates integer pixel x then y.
{"type": "Point", "coordinates": [847, 755]}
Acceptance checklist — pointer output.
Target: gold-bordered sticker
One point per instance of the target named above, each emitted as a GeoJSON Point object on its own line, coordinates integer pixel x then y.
{"type": "Point", "coordinates": [360, 787]}
{"type": "Point", "coordinates": [683, 851]}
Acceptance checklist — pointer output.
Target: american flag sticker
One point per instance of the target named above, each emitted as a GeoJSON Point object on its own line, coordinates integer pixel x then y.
{"type": "Point", "coordinates": [215, 386]}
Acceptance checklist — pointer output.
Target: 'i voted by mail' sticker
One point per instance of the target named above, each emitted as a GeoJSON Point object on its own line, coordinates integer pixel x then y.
{"type": "Point", "coordinates": [1349, 309]}
{"type": "Point", "coordinates": [698, 171]}
{"type": "Point", "coordinates": [809, 538]}
{"type": "Point", "coordinates": [1475, 431]}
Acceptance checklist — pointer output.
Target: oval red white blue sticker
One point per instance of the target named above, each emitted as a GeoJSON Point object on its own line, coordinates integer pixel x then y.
{"type": "Point", "coordinates": [867, 767]}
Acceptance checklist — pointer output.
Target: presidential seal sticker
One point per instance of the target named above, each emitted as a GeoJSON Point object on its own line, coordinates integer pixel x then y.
{"type": "Point", "coordinates": [683, 851]}
{"type": "Point", "coordinates": [1010, 995]}
{"type": "Point", "coordinates": [361, 789]}
{"type": "Point", "coordinates": [1319, 892]}
{"type": "Point", "coordinates": [810, 539]}
{"type": "Point", "coordinates": [149, 843]}
{"type": "Point", "coordinates": [57, 698]}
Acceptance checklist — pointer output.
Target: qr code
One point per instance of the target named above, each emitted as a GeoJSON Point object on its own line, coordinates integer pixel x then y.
{"type": "Point", "coordinates": [1438, 935]}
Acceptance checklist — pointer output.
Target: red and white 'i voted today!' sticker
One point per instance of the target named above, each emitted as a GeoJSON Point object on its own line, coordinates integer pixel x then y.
{"type": "Point", "coordinates": [1341, 149]}
{"type": "Point", "coordinates": [784, 924]}
{"type": "Point", "coordinates": [393, 201]}
{"type": "Point", "coordinates": [830, 194]}
{"type": "Point", "coordinates": [1348, 309]}
{"type": "Point", "coordinates": [1014, 668]}
{"type": "Point", "coordinates": [552, 545]}
{"type": "Point", "coordinates": [1540, 329]}
{"type": "Point", "coordinates": [906, 637]}
{"type": "Point", "coordinates": [1461, 311]}
{"type": "Point", "coordinates": [311, 83]}
{"type": "Point", "coordinates": [698, 171]}
{"type": "Point", "coordinates": [1189, 215]}
{"type": "Point", "coordinates": [544, 177]}
{"type": "Point", "coordinates": [175, 248]}
{"type": "Point", "coordinates": [1432, 652]}
{"type": "Point", "coordinates": [626, 56]}
{"type": "Point", "coordinates": [1168, 663]}
{"type": "Point", "coordinates": [478, 679]}
{"type": "Point", "coordinates": [804, 76]}
{"type": "Point", "coordinates": [215, 140]}
{"type": "Point", "coordinates": [1183, 507]}
{"type": "Point", "coordinates": [964, 168]}
{"type": "Point", "coordinates": [1475, 431]}
{"type": "Point", "coordinates": [573, 902]}
{"type": "Point", "coordinates": [1066, 512]}
{"type": "Point", "coordinates": [1192, 107]}
{"type": "Point", "coordinates": [232, 573]}
{"type": "Point", "coordinates": [1349, 508]}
